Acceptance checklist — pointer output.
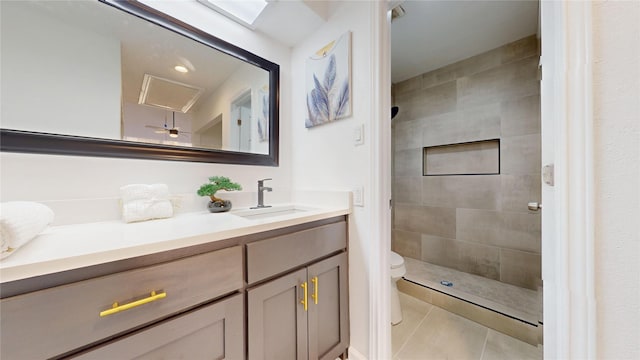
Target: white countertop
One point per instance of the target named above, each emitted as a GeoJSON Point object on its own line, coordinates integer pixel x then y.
{"type": "Point", "coordinates": [67, 247]}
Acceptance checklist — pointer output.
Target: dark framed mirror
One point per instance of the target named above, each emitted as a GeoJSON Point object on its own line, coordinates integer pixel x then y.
{"type": "Point", "coordinates": [112, 78]}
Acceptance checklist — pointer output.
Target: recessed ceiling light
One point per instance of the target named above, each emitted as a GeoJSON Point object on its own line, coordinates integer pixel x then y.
{"type": "Point", "coordinates": [180, 68]}
{"type": "Point", "coordinates": [245, 12]}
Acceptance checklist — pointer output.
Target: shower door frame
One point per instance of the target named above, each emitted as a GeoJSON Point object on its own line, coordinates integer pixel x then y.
{"type": "Point", "coordinates": [567, 218]}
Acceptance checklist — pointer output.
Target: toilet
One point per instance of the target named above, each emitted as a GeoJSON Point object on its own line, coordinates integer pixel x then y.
{"type": "Point", "coordinates": [397, 271]}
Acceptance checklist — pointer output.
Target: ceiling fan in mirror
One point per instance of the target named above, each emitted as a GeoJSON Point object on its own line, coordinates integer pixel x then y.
{"type": "Point", "coordinates": [173, 131]}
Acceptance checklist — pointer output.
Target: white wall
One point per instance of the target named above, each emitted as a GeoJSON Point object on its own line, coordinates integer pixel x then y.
{"type": "Point", "coordinates": [325, 157]}
{"type": "Point", "coordinates": [49, 82]}
{"type": "Point", "coordinates": [137, 117]}
{"type": "Point", "coordinates": [616, 85]}
{"type": "Point", "coordinates": [246, 77]}
{"type": "Point", "coordinates": [46, 177]}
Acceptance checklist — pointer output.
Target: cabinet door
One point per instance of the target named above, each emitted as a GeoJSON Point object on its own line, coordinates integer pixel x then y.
{"type": "Point", "coordinates": [328, 308]}
{"type": "Point", "coordinates": [277, 319]}
{"type": "Point", "coordinates": [212, 332]}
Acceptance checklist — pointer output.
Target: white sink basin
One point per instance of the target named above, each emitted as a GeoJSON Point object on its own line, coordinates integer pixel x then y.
{"type": "Point", "coordinates": [269, 212]}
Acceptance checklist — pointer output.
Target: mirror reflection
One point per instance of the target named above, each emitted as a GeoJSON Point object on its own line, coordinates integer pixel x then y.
{"type": "Point", "coordinates": [87, 69]}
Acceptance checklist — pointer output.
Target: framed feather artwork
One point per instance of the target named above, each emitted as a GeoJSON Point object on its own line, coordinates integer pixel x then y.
{"type": "Point", "coordinates": [328, 82]}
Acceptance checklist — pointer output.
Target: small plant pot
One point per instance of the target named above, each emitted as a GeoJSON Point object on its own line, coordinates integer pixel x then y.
{"type": "Point", "coordinates": [219, 206]}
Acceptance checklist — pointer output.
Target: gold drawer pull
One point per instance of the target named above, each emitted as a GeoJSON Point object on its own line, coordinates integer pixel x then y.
{"type": "Point", "coordinates": [314, 296]}
{"type": "Point", "coordinates": [117, 308]}
{"type": "Point", "coordinates": [304, 300]}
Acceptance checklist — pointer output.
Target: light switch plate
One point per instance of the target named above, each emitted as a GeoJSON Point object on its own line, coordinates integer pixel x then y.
{"type": "Point", "coordinates": [358, 135]}
{"type": "Point", "coordinates": [358, 195]}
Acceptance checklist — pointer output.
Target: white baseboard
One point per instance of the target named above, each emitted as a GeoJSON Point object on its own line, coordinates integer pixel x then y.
{"type": "Point", "coordinates": [355, 354]}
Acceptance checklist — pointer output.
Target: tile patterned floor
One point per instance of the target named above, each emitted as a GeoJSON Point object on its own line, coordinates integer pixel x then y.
{"type": "Point", "coordinates": [429, 332]}
{"type": "Point", "coordinates": [523, 304]}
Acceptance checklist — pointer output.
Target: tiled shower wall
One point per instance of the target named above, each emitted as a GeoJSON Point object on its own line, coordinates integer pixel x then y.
{"type": "Point", "coordinates": [479, 224]}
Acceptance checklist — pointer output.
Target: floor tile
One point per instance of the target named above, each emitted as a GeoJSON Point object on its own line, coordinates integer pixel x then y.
{"type": "Point", "coordinates": [500, 346]}
{"type": "Point", "coordinates": [413, 312]}
{"type": "Point", "coordinates": [514, 301]}
{"type": "Point", "coordinates": [443, 335]}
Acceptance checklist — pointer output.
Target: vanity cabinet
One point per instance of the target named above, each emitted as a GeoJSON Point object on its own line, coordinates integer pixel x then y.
{"type": "Point", "coordinates": [278, 294]}
{"type": "Point", "coordinates": [58, 320]}
{"type": "Point", "coordinates": [302, 314]}
{"type": "Point", "coordinates": [212, 332]}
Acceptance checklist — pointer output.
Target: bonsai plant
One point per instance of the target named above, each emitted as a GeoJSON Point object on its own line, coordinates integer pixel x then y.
{"type": "Point", "coordinates": [218, 183]}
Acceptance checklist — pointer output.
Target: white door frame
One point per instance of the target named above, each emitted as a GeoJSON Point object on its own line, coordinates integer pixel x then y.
{"type": "Point", "coordinates": [380, 130]}
{"type": "Point", "coordinates": [568, 231]}
{"type": "Point", "coordinates": [567, 244]}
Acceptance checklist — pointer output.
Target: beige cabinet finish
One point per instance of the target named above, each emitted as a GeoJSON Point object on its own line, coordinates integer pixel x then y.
{"type": "Point", "coordinates": [277, 320]}
{"type": "Point", "coordinates": [206, 312]}
{"type": "Point", "coordinates": [329, 318]}
{"type": "Point", "coordinates": [213, 332]}
{"type": "Point", "coordinates": [54, 321]}
{"type": "Point", "coordinates": [273, 256]}
{"type": "Point", "coordinates": [279, 327]}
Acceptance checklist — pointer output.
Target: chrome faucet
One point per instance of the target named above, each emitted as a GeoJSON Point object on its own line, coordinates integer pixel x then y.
{"type": "Point", "coordinates": [261, 190]}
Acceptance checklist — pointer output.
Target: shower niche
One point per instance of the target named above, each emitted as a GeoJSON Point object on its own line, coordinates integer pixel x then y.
{"type": "Point", "coordinates": [469, 158]}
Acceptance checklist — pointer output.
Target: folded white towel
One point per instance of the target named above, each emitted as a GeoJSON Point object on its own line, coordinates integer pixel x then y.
{"type": "Point", "coordinates": [21, 221]}
{"type": "Point", "coordinates": [142, 202]}
{"type": "Point", "coordinates": [144, 192]}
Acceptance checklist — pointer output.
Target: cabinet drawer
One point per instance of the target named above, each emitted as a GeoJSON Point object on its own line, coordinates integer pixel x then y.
{"type": "Point", "coordinates": [54, 321]}
{"type": "Point", "coordinates": [276, 255]}
{"type": "Point", "coordinates": [212, 332]}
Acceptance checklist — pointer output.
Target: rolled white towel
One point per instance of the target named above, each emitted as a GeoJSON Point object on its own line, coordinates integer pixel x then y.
{"type": "Point", "coordinates": [142, 202]}
{"type": "Point", "coordinates": [21, 221]}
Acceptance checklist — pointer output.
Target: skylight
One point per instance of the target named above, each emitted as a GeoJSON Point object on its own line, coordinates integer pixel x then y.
{"type": "Point", "coordinates": [245, 12]}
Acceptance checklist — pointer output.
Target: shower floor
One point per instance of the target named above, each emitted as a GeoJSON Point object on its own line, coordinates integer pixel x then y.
{"type": "Point", "coordinates": [513, 301]}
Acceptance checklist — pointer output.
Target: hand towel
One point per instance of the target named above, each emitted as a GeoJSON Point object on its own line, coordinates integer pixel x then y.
{"type": "Point", "coordinates": [142, 202]}
{"type": "Point", "coordinates": [144, 192]}
{"type": "Point", "coordinates": [20, 222]}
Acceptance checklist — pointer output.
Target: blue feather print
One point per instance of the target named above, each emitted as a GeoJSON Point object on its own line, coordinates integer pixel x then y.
{"type": "Point", "coordinates": [330, 74]}
{"type": "Point", "coordinates": [329, 100]}
{"type": "Point", "coordinates": [343, 100]}
{"type": "Point", "coordinates": [320, 99]}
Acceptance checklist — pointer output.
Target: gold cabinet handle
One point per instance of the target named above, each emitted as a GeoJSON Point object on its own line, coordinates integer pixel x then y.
{"type": "Point", "coordinates": [117, 308]}
{"type": "Point", "coordinates": [314, 296]}
{"type": "Point", "coordinates": [304, 300]}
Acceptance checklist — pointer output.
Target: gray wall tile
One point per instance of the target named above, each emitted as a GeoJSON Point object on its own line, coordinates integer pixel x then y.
{"type": "Point", "coordinates": [518, 231]}
{"type": "Point", "coordinates": [435, 100]}
{"type": "Point", "coordinates": [479, 123]}
{"type": "Point", "coordinates": [407, 243]}
{"type": "Point", "coordinates": [520, 155]}
{"type": "Point", "coordinates": [408, 162]}
{"type": "Point", "coordinates": [472, 223]}
{"type": "Point", "coordinates": [471, 158]}
{"type": "Point", "coordinates": [408, 86]}
{"type": "Point", "coordinates": [407, 134]}
{"type": "Point", "coordinates": [468, 257]}
{"type": "Point", "coordinates": [407, 189]}
{"type": "Point", "coordinates": [518, 190]}
{"type": "Point", "coordinates": [520, 116]}
{"type": "Point", "coordinates": [465, 191]}
{"type": "Point", "coordinates": [520, 268]}
{"type": "Point", "coordinates": [511, 81]}
{"type": "Point", "coordinates": [519, 49]}
{"type": "Point", "coordinates": [521, 231]}
{"type": "Point", "coordinates": [426, 220]}
{"type": "Point", "coordinates": [481, 226]}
